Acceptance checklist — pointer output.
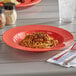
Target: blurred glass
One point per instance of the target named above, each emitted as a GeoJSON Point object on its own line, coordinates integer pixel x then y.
{"type": "Point", "coordinates": [66, 11]}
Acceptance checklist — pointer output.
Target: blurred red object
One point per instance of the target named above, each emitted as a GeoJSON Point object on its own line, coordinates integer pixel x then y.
{"type": "Point", "coordinates": [1, 3]}
{"type": "Point", "coordinates": [26, 3]}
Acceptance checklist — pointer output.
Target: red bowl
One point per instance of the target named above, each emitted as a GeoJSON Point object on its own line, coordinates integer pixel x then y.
{"type": "Point", "coordinates": [26, 3]}
{"type": "Point", "coordinates": [13, 36]}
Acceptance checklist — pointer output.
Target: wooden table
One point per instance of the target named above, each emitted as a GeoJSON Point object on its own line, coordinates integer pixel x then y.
{"type": "Point", "coordinates": [14, 62]}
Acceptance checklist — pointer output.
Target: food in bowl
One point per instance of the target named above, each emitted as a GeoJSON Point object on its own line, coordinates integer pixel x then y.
{"type": "Point", "coordinates": [38, 40]}
{"type": "Point", "coordinates": [22, 1]}
{"type": "Point", "coordinates": [13, 1]}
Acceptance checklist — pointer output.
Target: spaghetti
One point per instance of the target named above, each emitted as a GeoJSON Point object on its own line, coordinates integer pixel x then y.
{"type": "Point", "coordinates": [38, 40]}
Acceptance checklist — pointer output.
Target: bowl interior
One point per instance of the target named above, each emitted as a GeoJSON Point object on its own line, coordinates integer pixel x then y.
{"type": "Point", "coordinates": [21, 35]}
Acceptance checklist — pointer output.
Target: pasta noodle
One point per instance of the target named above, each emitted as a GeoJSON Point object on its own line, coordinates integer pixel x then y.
{"type": "Point", "coordinates": [38, 40]}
